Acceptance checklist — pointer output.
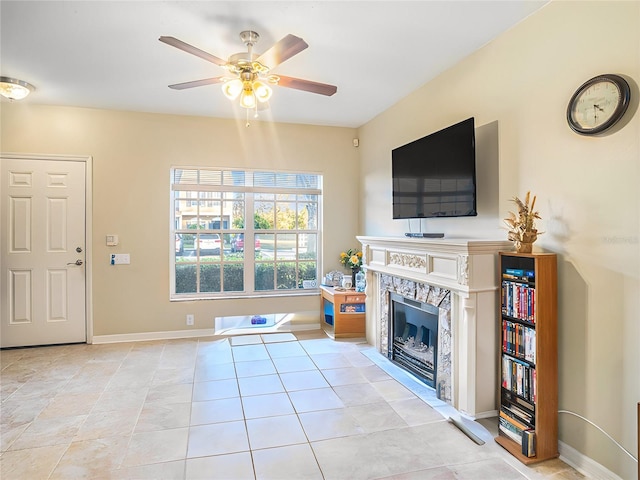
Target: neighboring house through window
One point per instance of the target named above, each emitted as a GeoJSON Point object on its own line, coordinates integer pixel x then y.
{"type": "Point", "coordinates": [240, 232]}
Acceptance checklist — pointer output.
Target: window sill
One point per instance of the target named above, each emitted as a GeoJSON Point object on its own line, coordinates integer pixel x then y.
{"type": "Point", "coordinates": [238, 296]}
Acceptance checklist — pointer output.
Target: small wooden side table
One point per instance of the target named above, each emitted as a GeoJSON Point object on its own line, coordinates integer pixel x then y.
{"type": "Point", "coordinates": [343, 312]}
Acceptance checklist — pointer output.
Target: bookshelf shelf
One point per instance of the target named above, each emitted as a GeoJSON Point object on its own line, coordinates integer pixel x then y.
{"type": "Point", "coordinates": [528, 422]}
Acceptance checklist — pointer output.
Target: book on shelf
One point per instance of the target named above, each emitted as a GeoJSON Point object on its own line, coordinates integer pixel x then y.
{"type": "Point", "coordinates": [518, 301]}
{"type": "Point", "coordinates": [510, 430]}
{"type": "Point", "coordinates": [521, 427]}
{"type": "Point", "coordinates": [352, 308]}
{"type": "Point", "coordinates": [519, 340]}
{"type": "Point", "coordinates": [519, 378]}
{"type": "Point", "coordinates": [519, 274]}
{"type": "Point", "coordinates": [518, 411]}
{"type": "Point", "coordinates": [529, 443]}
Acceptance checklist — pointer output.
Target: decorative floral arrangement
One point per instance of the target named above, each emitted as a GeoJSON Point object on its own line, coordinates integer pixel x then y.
{"type": "Point", "coordinates": [352, 258]}
{"type": "Point", "coordinates": [522, 227]}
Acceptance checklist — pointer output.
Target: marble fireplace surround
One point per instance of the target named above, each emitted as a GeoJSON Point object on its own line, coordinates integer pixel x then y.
{"type": "Point", "coordinates": [424, 269]}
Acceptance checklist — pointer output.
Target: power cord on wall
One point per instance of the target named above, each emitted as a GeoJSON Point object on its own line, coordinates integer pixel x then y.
{"type": "Point", "coordinates": [608, 436]}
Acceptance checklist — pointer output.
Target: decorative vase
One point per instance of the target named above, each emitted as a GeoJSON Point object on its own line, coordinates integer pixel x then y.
{"type": "Point", "coordinates": [524, 247]}
{"type": "Point", "coordinates": [354, 270]}
{"type": "Point", "coordinates": [360, 282]}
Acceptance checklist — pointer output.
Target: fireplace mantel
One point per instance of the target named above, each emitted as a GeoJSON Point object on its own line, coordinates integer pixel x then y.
{"type": "Point", "coordinates": [466, 267]}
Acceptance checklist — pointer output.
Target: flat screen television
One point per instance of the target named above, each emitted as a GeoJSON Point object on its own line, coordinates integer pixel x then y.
{"type": "Point", "coordinates": [435, 176]}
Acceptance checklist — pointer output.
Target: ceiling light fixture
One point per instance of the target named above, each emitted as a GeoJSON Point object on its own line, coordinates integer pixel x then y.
{"type": "Point", "coordinates": [15, 89]}
{"type": "Point", "coordinates": [251, 77]}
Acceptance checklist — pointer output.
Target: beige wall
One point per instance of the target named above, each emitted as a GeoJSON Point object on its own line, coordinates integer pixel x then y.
{"type": "Point", "coordinates": [587, 190]}
{"type": "Point", "coordinates": [132, 154]}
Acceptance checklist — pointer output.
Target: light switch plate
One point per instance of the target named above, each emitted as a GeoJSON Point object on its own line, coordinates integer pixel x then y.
{"type": "Point", "coordinates": [112, 240]}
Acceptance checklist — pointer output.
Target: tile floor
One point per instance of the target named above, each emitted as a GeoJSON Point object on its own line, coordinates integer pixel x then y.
{"type": "Point", "coordinates": [257, 406]}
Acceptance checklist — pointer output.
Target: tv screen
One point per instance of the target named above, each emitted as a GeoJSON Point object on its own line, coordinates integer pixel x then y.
{"type": "Point", "coordinates": [435, 176]}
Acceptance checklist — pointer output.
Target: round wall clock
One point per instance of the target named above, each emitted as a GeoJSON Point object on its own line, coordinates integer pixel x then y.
{"type": "Point", "coordinates": [598, 104]}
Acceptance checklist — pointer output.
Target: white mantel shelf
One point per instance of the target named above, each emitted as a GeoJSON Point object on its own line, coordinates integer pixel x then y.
{"type": "Point", "coordinates": [469, 269]}
{"type": "Point", "coordinates": [456, 264]}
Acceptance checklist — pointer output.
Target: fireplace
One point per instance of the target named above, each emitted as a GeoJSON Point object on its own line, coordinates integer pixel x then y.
{"type": "Point", "coordinates": [459, 278]}
{"type": "Point", "coordinates": [413, 337]}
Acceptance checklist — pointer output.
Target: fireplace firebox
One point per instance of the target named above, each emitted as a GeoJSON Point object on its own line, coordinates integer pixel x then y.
{"type": "Point", "coordinates": [413, 337]}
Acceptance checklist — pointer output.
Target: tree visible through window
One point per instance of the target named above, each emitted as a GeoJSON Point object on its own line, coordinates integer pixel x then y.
{"type": "Point", "coordinates": [219, 253]}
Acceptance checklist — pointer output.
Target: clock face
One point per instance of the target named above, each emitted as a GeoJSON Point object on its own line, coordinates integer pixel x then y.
{"type": "Point", "coordinates": [598, 104]}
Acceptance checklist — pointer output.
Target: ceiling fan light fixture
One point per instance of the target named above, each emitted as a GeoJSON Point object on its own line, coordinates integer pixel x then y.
{"type": "Point", "coordinates": [15, 89]}
{"type": "Point", "coordinates": [232, 89]}
{"type": "Point", "coordinates": [247, 98]}
{"type": "Point", "coordinates": [262, 91]}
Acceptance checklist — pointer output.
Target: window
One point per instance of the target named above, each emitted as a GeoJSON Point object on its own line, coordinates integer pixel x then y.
{"type": "Point", "coordinates": [219, 253]}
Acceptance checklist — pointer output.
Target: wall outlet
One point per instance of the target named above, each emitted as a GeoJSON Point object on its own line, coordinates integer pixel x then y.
{"type": "Point", "coordinates": [189, 319]}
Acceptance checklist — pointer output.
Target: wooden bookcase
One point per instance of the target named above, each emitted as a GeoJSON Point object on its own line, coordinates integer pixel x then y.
{"type": "Point", "coordinates": [529, 353]}
{"type": "Point", "coordinates": [343, 312]}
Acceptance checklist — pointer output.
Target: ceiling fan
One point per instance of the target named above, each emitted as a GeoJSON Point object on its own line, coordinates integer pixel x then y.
{"type": "Point", "coordinates": [249, 74]}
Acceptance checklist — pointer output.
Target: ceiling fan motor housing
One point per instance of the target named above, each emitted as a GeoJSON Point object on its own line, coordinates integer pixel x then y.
{"type": "Point", "coordinates": [249, 37]}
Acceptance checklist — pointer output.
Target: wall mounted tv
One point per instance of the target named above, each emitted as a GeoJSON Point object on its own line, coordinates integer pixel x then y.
{"type": "Point", "coordinates": [435, 176]}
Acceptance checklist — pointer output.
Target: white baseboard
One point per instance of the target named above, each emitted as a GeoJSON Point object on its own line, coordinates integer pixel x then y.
{"type": "Point", "coordinates": [585, 465]}
{"type": "Point", "coordinates": [191, 333]}
{"type": "Point", "coordinates": [146, 336]}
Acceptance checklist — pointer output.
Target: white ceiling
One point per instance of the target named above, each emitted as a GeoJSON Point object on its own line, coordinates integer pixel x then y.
{"type": "Point", "coordinates": [106, 54]}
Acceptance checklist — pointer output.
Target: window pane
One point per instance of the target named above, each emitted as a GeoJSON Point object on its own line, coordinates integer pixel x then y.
{"type": "Point", "coordinates": [286, 275]}
{"type": "Point", "coordinates": [264, 276]}
{"type": "Point", "coordinates": [234, 177]}
{"type": "Point", "coordinates": [209, 246]}
{"type": "Point", "coordinates": [210, 177]}
{"type": "Point", "coordinates": [210, 278]}
{"type": "Point", "coordinates": [188, 244]}
{"type": "Point", "coordinates": [185, 176]}
{"type": "Point", "coordinates": [210, 215]}
{"type": "Point", "coordinates": [233, 277]}
{"type": "Point", "coordinates": [286, 180]}
{"type": "Point", "coordinates": [309, 181]}
{"type": "Point", "coordinates": [266, 242]}
{"type": "Point", "coordinates": [179, 245]}
{"type": "Point", "coordinates": [308, 246]}
{"type": "Point", "coordinates": [184, 211]}
{"type": "Point", "coordinates": [286, 215]}
{"type": "Point", "coordinates": [236, 249]}
{"type": "Point", "coordinates": [186, 280]}
{"type": "Point", "coordinates": [264, 216]}
{"type": "Point", "coordinates": [264, 179]}
{"type": "Point", "coordinates": [308, 271]}
{"type": "Point", "coordinates": [233, 207]}
{"type": "Point", "coordinates": [307, 212]}
{"type": "Point", "coordinates": [286, 246]}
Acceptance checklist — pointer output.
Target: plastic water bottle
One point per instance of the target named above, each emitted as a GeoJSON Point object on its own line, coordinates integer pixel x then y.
{"type": "Point", "coordinates": [360, 283]}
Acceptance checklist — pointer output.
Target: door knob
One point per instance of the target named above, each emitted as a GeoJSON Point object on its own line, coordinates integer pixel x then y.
{"type": "Point", "coordinates": [77, 262]}
{"type": "Point", "coordinates": [79, 249]}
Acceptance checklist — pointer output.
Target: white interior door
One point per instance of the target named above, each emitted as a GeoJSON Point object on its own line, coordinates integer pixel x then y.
{"type": "Point", "coordinates": [42, 259]}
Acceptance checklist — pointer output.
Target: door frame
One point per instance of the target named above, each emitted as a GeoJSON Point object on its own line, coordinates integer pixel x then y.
{"type": "Point", "coordinates": [88, 222]}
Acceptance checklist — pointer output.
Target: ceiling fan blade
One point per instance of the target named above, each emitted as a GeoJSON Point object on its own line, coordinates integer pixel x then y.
{"type": "Point", "coordinates": [283, 50]}
{"type": "Point", "coordinates": [198, 83]}
{"type": "Point", "coordinates": [307, 85]}
{"type": "Point", "coordinates": [174, 42]}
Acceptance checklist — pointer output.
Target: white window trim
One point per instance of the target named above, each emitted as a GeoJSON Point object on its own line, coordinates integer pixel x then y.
{"type": "Point", "coordinates": [249, 267]}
